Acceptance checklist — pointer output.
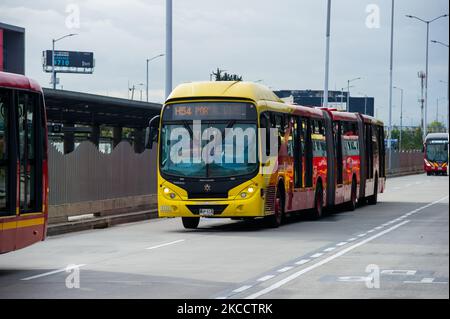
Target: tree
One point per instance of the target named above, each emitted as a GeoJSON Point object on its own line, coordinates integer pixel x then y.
{"type": "Point", "coordinates": [436, 127]}
{"type": "Point", "coordinates": [226, 76]}
{"type": "Point", "coordinates": [411, 138]}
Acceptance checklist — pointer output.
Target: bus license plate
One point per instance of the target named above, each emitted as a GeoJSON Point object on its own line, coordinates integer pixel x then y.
{"type": "Point", "coordinates": [206, 211]}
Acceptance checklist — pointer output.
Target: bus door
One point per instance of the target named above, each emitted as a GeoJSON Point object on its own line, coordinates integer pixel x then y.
{"type": "Point", "coordinates": [362, 158]}
{"type": "Point", "coordinates": [7, 174]}
{"type": "Point", "coordinates": [302, 168]}
{"type": "Point", "coordinates": [30, 151]}
{"type": "Point", "coordinates": [369, 159]}
{"type": "Point", "coordinates": [331, 165]}
{"type": "Point", "coordinates": [337, 134]}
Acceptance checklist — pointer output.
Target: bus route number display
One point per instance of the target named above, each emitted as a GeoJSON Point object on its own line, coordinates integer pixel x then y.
{"type": "Point", "coordinates": [194, 111]}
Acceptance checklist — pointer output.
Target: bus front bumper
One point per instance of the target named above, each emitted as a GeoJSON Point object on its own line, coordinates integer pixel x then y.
{"type": "Point", "coordinates": [252, 207]}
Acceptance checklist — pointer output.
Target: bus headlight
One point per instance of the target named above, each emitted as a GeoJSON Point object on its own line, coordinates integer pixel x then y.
{"type": "Point", "coordinates": [169, 193]}
{"type": "Point", "coordinates": [248, 192]}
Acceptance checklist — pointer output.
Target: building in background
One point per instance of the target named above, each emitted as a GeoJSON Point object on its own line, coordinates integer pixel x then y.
{"type": "Point", "coordinates": [336, 99]}
{"type": "Point", "coordinates": [12, 48]}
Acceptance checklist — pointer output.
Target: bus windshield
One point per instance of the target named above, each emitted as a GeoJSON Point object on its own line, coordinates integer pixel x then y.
{"type": "Point", "coordinates": [437, 152]}
{"type": "Point", "coordinates": [196, 142]}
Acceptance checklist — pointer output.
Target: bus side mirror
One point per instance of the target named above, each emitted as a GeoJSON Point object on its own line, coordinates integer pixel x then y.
{"type": "Point", "coordinates": [152, 132]}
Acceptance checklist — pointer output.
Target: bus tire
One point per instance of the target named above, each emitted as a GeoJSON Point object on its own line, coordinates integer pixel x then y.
{"type": "Point", "coordinates": [351, 206]}
{"type": "Point", "coordinates": [274, 220]}
{"type": "Point", "coordinates": [190, 222]}
{"type": "Point", "coordinates": [373, 199]}
{"type": "Point", "coordinates": [318, 203]}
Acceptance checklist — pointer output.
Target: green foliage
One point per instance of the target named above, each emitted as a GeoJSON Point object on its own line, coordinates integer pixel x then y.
{"type": "Point", "coordinates": [411, 138]}
{"type": "Point", "coordinates": [436, 127]}
{"type": "Point", "coordinates": [220, 75]}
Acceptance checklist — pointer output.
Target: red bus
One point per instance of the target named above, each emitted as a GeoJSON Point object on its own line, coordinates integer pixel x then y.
{"type": "Point", "coordinates": [23, 163]}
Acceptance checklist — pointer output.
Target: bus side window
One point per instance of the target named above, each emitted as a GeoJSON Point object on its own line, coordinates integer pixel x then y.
{"type": "Point", "coordinates": [308, 152]}
{"type": "Point", "coordinates": [339, 146]}
{"type": "Point", "coordinates": [298, 149]}
{"type": "Point", "coordinates": [264, 120]}
{"type": "Point", "coordinates": [5, 101]}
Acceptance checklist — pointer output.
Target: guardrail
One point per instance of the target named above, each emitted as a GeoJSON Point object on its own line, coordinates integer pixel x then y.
{"type": "Point", "coordinates": [405, 162]}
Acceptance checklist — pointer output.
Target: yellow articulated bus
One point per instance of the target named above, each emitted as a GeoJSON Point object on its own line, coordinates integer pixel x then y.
{"type": "Point", "coordinates": [235, 150]}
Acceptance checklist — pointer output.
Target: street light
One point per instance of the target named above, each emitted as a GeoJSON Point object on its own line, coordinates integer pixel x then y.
{"type": "Point", "coordinates": [342, 94]}
{"type": "Point", "coordinates": [448, 118]}
{"type": "Point", "coordinates": [168, 87]}
{"type": "Point", "coordinates": [426, 65]}
{"type": "Point", "coordinates": [401, 117]}
{"type": "Point", "coordinates": [365, 101]}
{"type": "Point", "coordinates": [53, 57]}
{"type": "Point", "coordinates": [327, 55]}
{"type": "Point", "coordinates": [348, 92]}
{"type": "Point", "coordinates": [148, 60]}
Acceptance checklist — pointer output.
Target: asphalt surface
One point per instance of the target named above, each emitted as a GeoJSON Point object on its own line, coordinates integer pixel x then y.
{"type": "Point", "coordinates": [396, 249]}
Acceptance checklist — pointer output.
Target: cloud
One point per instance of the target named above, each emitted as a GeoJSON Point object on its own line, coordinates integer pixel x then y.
{"type": "Point", "coordinates": [281, 42]}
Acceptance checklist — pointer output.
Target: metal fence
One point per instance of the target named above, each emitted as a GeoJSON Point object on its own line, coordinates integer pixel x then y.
{"type": "Point", "coordinates": [405, 162]}
{"type": "Point", "coordinates": [86, 174]}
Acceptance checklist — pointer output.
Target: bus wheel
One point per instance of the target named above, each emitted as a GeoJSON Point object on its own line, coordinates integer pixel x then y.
{"type": "Point", "coordinates": [353, 201]}
{"type": "Point", "coordinates": [372, 200]}
{"type": "Point", "coordinates": [318, 203]}
{"type": "Point", "coordinates": [190, 222]}
{"type": "Point", "coordinates": [274, 220]}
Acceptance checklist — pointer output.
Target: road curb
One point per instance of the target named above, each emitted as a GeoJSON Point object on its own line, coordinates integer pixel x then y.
{"type": "Point", "coordinates": [100, 222]}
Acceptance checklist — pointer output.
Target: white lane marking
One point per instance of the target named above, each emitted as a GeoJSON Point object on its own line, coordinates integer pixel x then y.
{"type": "Point", "coordinates": [316, 255]}
{"type": "Point", "coordinates": [265, 278]}
{"type": "Point", "coordinates": [338, 254]}
{"type": "Point", "coordinates": [320, 263]}
{"type": "Point", "coordinates": [425, 281]}
{"type": "Point", "coordinates": [53, 272]}
{"type": "Point", "coordinates": [342, 243]}
{"type": "Point", "coordinates": [362, 235]}
{"type": "Point", "coordinates": [166, 244]}
{"type": "Point", "coordinates": [352, 239]}
{"type": "Point", "coordinates": [243, 288]}
{"type": "Point", "coordinates": [370, 231]}
{"type": "Point", "coordinates": [329, 249]}
{"type": "Point", "coordinates": [378, 227]}
{"type": "Point", "coordinates": [284, 269]}
{"type": "Point", "coordinates": [303, 261]}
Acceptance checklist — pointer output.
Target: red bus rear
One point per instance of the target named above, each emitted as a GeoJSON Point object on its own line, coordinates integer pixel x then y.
{"type": "Point", "coordinates": [23, 163]}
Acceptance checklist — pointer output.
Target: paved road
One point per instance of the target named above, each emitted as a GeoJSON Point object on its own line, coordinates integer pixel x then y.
{"type": "Point", "coordinates": [396, 249]}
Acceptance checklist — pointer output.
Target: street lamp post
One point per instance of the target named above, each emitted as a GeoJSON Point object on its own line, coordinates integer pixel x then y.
{"type": "Point", "coordinates": [448, 79]}
{"type": "Point", "coordinates": [148, 60]}
{"type": "Point", "coordinates": [427, 22]}
{"type": "Point", "coordinates": [168, 88]}
{"type": "Point", "coordinates": [53, 57]}
{"type": "Point", "coordinates": [401, 117]}
{"type": "Point", "coordinates": [327, 55]}
{"type": "Point", "coordinates": [347, 108]}
{"type": "Point", "coordinates": [391, 67]}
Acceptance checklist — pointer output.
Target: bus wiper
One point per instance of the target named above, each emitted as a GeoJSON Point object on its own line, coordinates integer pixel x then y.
{"type": "Point", "coordinates": [187, 126]}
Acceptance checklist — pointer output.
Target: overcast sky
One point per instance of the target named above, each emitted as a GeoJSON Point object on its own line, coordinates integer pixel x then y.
{"type": "Point", "coordinates": [280, 42]}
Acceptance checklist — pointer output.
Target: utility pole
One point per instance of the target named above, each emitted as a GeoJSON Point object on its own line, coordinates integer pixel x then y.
{"type": "Point", "coordinates": [327, 55]}
{"type": "Point", "coordinates": [422, 77]}
{"type": "Point", "coordinates": [390, 88]}
{"type": "Point", "coordinates": [168, 48]}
